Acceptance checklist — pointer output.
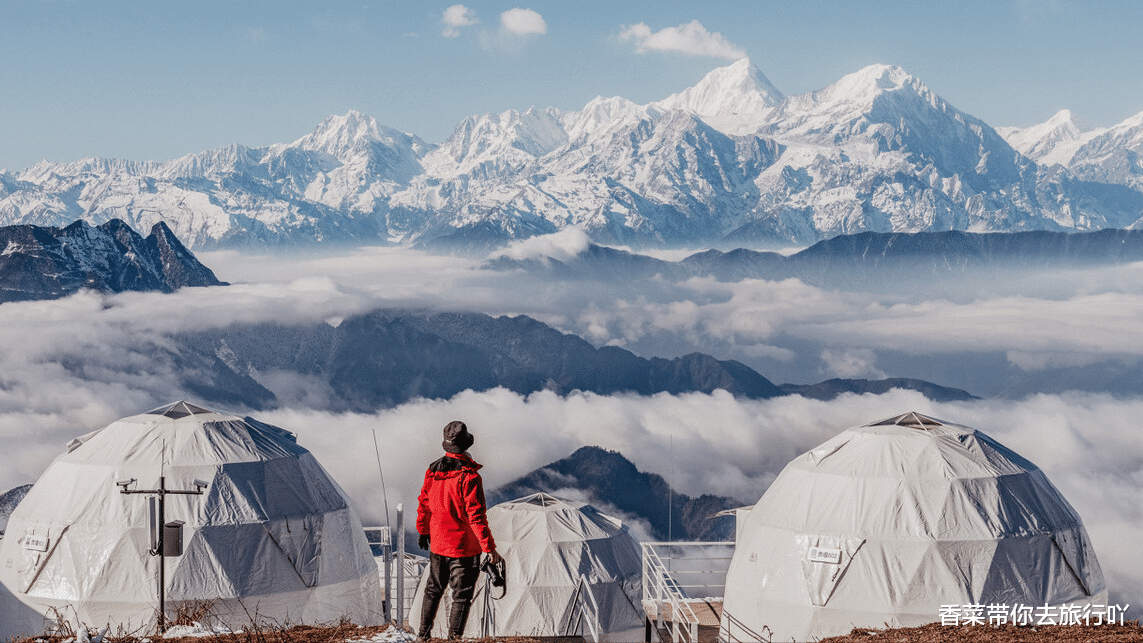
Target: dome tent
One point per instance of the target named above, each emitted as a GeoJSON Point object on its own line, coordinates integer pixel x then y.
{"type": "Point", "coordinates": [273, 539]}
{"type": "Point", "coordinates": [885, 523]}
{"type": "Point", "coordinates": [548, 544]}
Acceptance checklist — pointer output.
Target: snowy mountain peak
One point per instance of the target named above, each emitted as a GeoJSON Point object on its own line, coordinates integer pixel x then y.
{"type": "Point", "coordinates": [1133, 121]}
{"type": "Point", "coordinates": [866, 84]}
{"type": "Point", "coordinates": [1065, 117]}
{"type": "Point", "coordinates": [502, 138]}
{"type": "Point", "coordinates": [46, 170]}
{"type": "Point", "coordinates": [600, 115]}
{"type": "Point", "coordinates": [338, 134]}
{"type": "Point", "coordinates": [1054, 141]}
{"type": "Point", "coordinates": [876, 94]}
{"type": "Point", "coordinates": [736, 89]}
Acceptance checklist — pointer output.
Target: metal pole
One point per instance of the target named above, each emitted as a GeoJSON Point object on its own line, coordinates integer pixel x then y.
{"type": "Point", "coordinates": [646, 592]}
{"type": "Point", "coordinates": [387, 557]}
{"type": "Point", "coordinates": [159, 540]}
{"type": "Point", "coordinates": [401, 565]}
{"type": "Point", "coordinates": [162, 558]}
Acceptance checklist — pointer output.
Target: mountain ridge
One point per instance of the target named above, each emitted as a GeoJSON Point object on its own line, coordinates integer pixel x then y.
{"type": "Point", "coordinates": [613, 483]}
{"type": "Point", "coordinates": [861, 260]}
{"type": "Point", "coordinates": [388, 357]}
{"type": "Point", "coordinates": [875, 151]}
{"type": "Point", "coordinates": [39, 262]}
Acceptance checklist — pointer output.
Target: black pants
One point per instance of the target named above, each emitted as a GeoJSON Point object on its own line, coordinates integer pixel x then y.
{"type": "Point", "coordinates": [460, 575]}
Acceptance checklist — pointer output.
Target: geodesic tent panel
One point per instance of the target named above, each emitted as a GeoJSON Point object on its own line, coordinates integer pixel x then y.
{"type": "Point", "coordinates": [271, 539]}
{"type": "Point", "coordinates": [885, 523]}
{"type": "Point", "coordinates": [550, 547]}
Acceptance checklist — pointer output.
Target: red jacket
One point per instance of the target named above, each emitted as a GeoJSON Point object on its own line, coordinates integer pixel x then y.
{"type": "Point", "coordinates": [451, 508]}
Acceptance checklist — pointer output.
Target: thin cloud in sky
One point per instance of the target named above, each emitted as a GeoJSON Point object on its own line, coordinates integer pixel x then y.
{"type": "Point", "coordinates": [523, 22]}
{"type": "Point", "coordinates": [456, 18]}
{"type": "Point", "coordinates": [691, 39]}
{"type": "Point", "coordinates": [851, 362]}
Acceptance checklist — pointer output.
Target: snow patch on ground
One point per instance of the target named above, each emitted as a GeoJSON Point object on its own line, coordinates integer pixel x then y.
{"type": "Point", "coordinates": [195, 629]}
{"type": "Point", "coordinates": [391, 635]}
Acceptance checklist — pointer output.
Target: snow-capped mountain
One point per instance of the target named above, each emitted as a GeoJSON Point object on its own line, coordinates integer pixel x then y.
{"type": "Point", "coordinates": [1105, 155]}
{"type": "Point", "coordinates": [1113, 156]}
{"type": "Point", "coordinates": [330, 185]}
{"type": "Point", "coordinates": [46, 262]}
{"type": "Point", "coordinates": [729, 161]}
{"type": "Point", "coordinates": [737, 97]}
{"type": "Point", "coordinates": [1053, 142]}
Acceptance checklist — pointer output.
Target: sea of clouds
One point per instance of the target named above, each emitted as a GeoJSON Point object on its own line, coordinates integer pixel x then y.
{"type": "Point", "coordinates": [73, 365]}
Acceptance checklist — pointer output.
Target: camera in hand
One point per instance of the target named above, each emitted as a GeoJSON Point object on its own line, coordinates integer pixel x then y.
{"type": "Point", "coordinates": [495, 573]}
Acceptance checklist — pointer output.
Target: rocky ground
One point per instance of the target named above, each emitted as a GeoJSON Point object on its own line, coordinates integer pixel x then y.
{"type": "Point", "coordinates": [1129, 632]}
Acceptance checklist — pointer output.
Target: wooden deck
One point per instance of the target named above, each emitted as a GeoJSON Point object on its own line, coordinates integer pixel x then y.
{"type": "Point", "coordinates": [708, 613]}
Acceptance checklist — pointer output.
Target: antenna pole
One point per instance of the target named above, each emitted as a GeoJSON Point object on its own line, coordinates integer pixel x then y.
{"type": "Point", "coordinates": [670, 491]}
{"type": "Point", "coordinates": [386, 539]}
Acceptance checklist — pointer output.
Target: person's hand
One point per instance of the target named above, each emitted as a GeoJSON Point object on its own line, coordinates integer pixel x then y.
{"type": "Point", "coordinates": [423, 541]}
{"type": "Point", "coordinates": [494, 557]}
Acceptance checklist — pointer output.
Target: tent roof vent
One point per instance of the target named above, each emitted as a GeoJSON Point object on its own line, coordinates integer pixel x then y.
{"type": "Point", "coordinates": [178, 410]}
{"type": "Point", "coordinates": [540, 500]}
{"type": "Point", "coordinates": [912, 420]}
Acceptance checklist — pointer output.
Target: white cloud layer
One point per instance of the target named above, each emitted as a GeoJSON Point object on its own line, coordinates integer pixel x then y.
{"type": "Point", "coordinates": [701, 443]}
{"type": "Point", "coordinates": [691, 39]}
{"type": "Point", "coordinates": [456, 18]}
{"type": "Point", "coordinates": [76, 364]}
{"type": "Point", "coordinates": [717, 444]}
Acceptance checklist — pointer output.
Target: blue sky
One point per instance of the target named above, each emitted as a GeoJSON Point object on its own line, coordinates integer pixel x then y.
{"type": "Point", "coordinates": [156, 80]}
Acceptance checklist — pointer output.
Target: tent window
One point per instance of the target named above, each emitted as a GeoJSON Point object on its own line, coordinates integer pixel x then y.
{"type": "Point", "coordinates": [540, 500]}
{"type": "Point", "coordinates": [178, 410]}
{"type": "Point", "coordinates": [913, 420]}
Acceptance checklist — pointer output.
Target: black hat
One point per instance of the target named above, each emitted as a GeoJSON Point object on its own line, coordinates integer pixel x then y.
{"type": "Point", "coordinates": [457, 439]}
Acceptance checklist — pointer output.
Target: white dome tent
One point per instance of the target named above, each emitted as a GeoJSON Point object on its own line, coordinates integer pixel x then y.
{"type": "Point", "coordinates": [550, 546]}
{"type": "Point", "coordinates": [271, 540]}
{"type": "Point", "coordinates": [886, 523]}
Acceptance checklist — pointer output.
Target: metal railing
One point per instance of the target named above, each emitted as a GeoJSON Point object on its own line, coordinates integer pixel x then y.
{"type": "Point", "coordinates": [675, 573]}
{"type": "Point", "coordinates": [401, 573]}
{"type": "Point", "coordinates": [588, 609]}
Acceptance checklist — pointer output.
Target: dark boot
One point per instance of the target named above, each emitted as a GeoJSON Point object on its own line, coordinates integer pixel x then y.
{"type": "Point", "coordinates": [429, 606]}
{"type": "Point", "coordinates": [457, 618]}
{"type": "Point", "coordinates": [427, 618]}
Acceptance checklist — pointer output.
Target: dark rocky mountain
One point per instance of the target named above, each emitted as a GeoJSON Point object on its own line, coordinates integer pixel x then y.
{"type": "Point", "coordinates": [387, 357]}
{"type": "Point", "coordinates": [47, 263]}
{"type": "Point", "coordinates": [384, 358]}
{"type": "Point", "coordinates": [865, 259]}
{"type": "Point", "coordinates": [612, 483]}
{"type": "Point", "coordinates": [861, 258]}
{"type": "Point", "coordinates": [8, 501]}
{"type": "Point", "coordinates": [832, 388]}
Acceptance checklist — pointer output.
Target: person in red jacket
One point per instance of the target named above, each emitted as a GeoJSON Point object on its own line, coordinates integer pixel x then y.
{"type": "Point", "coordinates": [453, 526]}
